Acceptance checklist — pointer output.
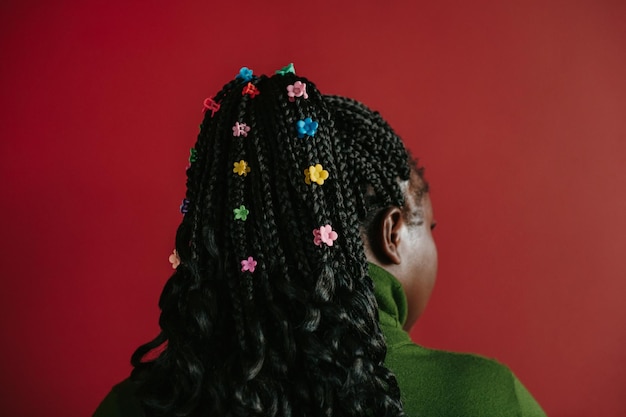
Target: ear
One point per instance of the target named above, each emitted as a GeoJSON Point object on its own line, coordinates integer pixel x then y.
{"type": "Point", "coordinates": [386, 237]}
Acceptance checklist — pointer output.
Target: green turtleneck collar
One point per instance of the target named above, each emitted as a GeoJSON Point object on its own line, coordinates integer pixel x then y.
{"type": "Point", "coordinates": [390, 296]}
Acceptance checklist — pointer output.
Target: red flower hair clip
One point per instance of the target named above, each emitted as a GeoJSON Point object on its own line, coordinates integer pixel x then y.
{"type": "Point", "coordinates": [251, 90]}
{"type": "Point", "coordinates": [210, 104]}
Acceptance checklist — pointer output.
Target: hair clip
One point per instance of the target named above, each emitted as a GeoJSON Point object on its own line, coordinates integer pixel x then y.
{"type": "Point", "coordinates": [241, 213]}
{"type": "Point", "coordinates": [286, 70]}
{"type": "Point", "coordinates": [210, 104]}
{"type": "Point", "coordinates": [251, 90]}
{"type": "Point", "coordinates": [174, 259]}
{"type": "Point", "coordinates": [245, 74]}
{"type": "Point", "coordinates": [306, 127]}
{"type": "Point", "coordinates": [324, 234]}
{"type": "Point", "coordinates": [184, 207]}
{"type": "Point", "coordinates": [241, 168]}
{"type": "Point", "coordinates": [248, 264]}
{"type": "Point", "coordinates": [297, 89]}
{"type": "Point", "coordinates": [193, 155]}
{"type": "Point", "coordinates": [241, 129]}
{"type": "Point", "coordinates": [315, 174]}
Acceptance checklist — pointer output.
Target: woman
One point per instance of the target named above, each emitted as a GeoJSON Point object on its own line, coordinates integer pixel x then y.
{"type": "Point", "coordinates": [272, 308]}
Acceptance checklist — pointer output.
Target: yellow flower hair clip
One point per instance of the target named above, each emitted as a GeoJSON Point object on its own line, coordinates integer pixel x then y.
{"type": "Point", "coordinates": [315, 174]}
{"type": "Point", "coordinates": [241, 168]}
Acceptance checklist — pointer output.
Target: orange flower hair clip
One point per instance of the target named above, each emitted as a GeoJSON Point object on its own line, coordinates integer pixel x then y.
{"type": "Point", "coordinates": [174, 259]}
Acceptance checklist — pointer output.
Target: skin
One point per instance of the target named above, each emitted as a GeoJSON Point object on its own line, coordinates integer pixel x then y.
{"type": "Point", "coordinates": [402, 243]}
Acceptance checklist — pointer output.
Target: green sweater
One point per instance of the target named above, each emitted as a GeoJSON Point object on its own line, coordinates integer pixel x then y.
{"type": "Point", "coordinates": [438, 383]}
{"type": "Point", "coordinates": [433, 382]}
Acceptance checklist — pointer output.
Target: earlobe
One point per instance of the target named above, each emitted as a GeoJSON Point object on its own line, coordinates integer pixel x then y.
{"type": "Point", "coordinates": [388, 235]}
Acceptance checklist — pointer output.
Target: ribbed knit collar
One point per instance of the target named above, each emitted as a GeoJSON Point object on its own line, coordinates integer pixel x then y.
{"type": "Point", "coordinates": [391, 298]}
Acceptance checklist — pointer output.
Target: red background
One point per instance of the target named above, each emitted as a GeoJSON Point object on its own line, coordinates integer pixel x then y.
{"type": "Point", "coordinates": [517, 111]}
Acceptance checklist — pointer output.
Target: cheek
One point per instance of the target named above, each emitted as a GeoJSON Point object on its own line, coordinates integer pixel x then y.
{"type": "Point", "coordinates": [428, 263]}
{"type": "Point", "coordinates": [426, 252]}
{"type": "Point", "coordinates": [428, 271]}
{"type": "Point", "coordinates": [422, 265]}
{"type": "Point", "coordinates": [434, 257]}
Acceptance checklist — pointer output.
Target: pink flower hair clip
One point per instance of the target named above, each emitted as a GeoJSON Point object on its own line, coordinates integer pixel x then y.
{"type": "Point", "coordinates": [248, 264]}
{"type": "Point", "coordinates": [251, 90]}
{"type": "Point", "coordinates": [210, 104]}
{"type": "Point", "coordinates": [297, 89]}
{"type": "Point", "coordinates": [324, 234]}
{"type": "Point", "coordinates": [241, 129]}
{"type": "Point", "coordinates": [174, 259]}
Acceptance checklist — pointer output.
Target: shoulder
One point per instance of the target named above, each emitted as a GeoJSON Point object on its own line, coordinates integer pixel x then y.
{"type": "Point", "coordinates": [120, 402]}
{"type": "Point", "coordinates": [450, 367]}
{"type": "Point", "coordinates": [466, 364]}
{"type": "Point", "coordinates": [452, 383]}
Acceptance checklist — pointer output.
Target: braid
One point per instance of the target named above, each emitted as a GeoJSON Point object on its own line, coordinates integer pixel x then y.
{"type": "Point", "coordinates": [258, 319]}
{"type": "Point", "coordinates": [377, 165]}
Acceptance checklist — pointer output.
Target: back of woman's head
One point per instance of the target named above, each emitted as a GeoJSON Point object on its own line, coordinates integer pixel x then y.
{"type": "Point", "coordinates": [271, 311]}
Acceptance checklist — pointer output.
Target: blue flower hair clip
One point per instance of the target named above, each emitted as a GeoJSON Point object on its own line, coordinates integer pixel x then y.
{"type": "Point", "coordinates": [245, 74]}
{"type": "Point", "coordinates": [184, 207]}
{"type": "Point", "coordinates": [306, 127]}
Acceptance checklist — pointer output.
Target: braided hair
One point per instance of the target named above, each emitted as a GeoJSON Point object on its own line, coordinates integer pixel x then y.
{"type": "Point", "coordinates": [271, 311]}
